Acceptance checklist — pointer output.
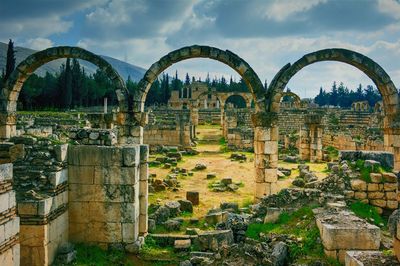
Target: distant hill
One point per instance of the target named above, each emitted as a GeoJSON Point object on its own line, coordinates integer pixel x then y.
{"type": "Point", "coordinates": [123, 68]}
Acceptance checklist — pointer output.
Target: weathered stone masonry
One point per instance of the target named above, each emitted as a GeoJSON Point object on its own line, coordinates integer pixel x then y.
{"type": "Point", "coordinates": [9, 222]}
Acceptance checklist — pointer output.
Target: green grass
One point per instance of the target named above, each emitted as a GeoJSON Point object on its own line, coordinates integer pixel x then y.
{"type": "Point", "coordinates": [223, 145]}
{"type": "Point", "coordinates": [247, 202]}
{"type": "Point", "coordinates": [153, 252]}
{"type": "Point", "coordinates": [367, 212]}
{"type": "Point", "coordinates": [301, 225]}
{"type": "Point", "coordinates": [95, 256]}
{"type": "Point", "coordinates": [366, 171]}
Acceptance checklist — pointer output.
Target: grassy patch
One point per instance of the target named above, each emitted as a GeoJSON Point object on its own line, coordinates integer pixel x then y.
{"type": "Point", "coordinates": [332, 152]}
{"type": "Point", "coordinates": [153, 252]}
{"type": "Point", "coordinates": [300, 224]}
{"type": "Point", "coordinates": [223, 145]}
{"type": "Point", "coordinates": [367, 212]}
{"type": "Point", "coordinates": [94, 255]}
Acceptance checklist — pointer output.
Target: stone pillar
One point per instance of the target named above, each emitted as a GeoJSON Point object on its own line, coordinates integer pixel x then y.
{"type": "Point", "coordinates": [7, 125]}
{"type": "Point", "coordinates": [391, 140]}
{"type": "Point", "coordinates": [311, 139]}
{"type": "Point", "coordinates": [304, 147]}
{"type": "Point", "coordinates": [265, 153]}
{"type": "Point", "coordinates": [143, 190]}
{"type": "Point", "coordinates": [104, 194]}
{"type": "Point", "coordinates": [205, 103]}
{"type": "Point", "coordinates": [9, 222]}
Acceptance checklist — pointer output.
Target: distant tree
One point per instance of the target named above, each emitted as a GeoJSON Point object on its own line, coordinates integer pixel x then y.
{"type": "Point", "coordinates": [10, 64]}
{"type": "Point", "coordinates": [187, 79]}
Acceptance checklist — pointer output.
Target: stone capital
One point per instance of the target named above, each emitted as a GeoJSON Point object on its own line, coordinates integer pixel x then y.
{"type": "Point", "coordinates": [264, 119]}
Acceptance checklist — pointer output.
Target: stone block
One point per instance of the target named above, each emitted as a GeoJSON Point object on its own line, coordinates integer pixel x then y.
{"type": "Point", "coordinates": [373, 187]}
{"type": "Point", "coordinates": [392, 204]}
{"type": "Point", "coordinates": [358, 185]}
{"type": "Point", "coordinates": [131, 155]}
{"type": "Point", "coordinates": [375, 177]}
{"type": "Point", "coordinates": [390, 186]}
{"type": "Point", "coordinates": [271, 175]}
{"type": "Point", "coordinates": [61, 152]}
{"type": "Point", "coordinates": [130, 232]}
{"type": "Point", "coordinates": [376, 195]}
{"type": "Point", "coordinates": [193, 196]}
{"type": "Point", "coordinates": [44, 206]}
{"type": "Point", "coordinates": [90, 155]}
{"type": "Point", "coordinates": [271, 147]}
{"type": "Point", "coordinates": [350, 233]}
{"type": "Point", "coordinates": [360, 195]}
{"type": "Point", "coordinates": [81, 174]}
{"type": "Point", "coordinates": [6, 172]}
{"type": "Point", "coordinates": [11, 228]}
{"type": "Point", "coordinates": [34, 235]}
{"type": "Point", "coordinates": [103, 232]}
{"type": "Point", "coordinates": [27, 208]}
{"type": "Point", "coordinates": [58, 178]}
{"type": "Point", "coordinates": [391, 195]}
{"type": "Point", "coordinates": [378, 203]}
{"type": "Point", "coordinates": [389, 177]}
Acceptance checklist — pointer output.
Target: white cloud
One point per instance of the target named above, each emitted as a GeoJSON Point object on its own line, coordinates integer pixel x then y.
{"type": "Point", "coordinates": [38, 43]}
{"type": "Point", "coordinates": [280, 10]}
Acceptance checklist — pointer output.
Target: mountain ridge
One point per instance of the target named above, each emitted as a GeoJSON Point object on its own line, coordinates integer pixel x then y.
{"type": "Point", "coordinates": [123, 68]}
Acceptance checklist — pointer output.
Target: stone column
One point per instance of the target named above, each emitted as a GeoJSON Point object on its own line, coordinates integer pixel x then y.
{"type": "Point", "coordinates": [316, 143]}
{"type": "Point", "coordinates": [311, 138]}
{"type": "Point", "coordinates": [130, 127]}
{"type": "Point", "coordinates": [7, 125]}
{"type": "Point", "coordinates": [304, 147]}
{"type": "Point", "coordinates": [391, 140]}
{"type": "Point", "coordinates": [265, 153]}
{"type": "Point", "coordinates": [143, 190]}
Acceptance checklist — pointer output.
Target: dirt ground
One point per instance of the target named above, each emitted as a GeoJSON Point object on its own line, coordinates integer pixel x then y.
{"type": "Point", "coordinates": [219, 163]}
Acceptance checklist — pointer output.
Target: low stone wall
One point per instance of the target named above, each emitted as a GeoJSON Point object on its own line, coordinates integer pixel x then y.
{"type": "Point", "coordinates": [209, 116]}
{"type": "Point", "coordinates": [169, 127]}
{"type": "Point", "coordinates": [9, 222]}
{"type": "Point", "coordinates": [381, 192]}
{"type": "Point", "coordinates": [91, 136]}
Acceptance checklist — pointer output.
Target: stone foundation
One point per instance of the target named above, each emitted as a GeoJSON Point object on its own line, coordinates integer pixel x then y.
{"type": "Point", "coordinates": [9, 222]}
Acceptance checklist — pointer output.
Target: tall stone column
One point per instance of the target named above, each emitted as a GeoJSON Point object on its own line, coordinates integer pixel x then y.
{"type": "Point", "coordinates": [311, 139]}
{"type": "Point", "coordinates": [130, 127]}
{"type": "Point", "coordinates": [266, 153]}
{"type": "Point", "coordinates": [143, 190]}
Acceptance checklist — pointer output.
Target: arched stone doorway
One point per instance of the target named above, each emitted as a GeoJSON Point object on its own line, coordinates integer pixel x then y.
{"type": "Point", "coordinates": [251, 79]}
{"type": "Point", "coordinates": [22, 72]}
{"type": "Point", "coordinates": [368, 66]}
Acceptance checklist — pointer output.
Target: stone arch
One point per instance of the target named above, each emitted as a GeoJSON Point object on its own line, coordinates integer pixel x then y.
{"type": "Point", "coordinates": [297, 99]}
{"type": "Point", "coordinates": [372, 69]}
{"type": "Point", "coordinates": [227, 57]}
{"type": "Point", "coordinates": [22, 72]}
{"type": "Point", "coordinates": [226, 96]}
{"type": "Point", "coordinates": [215, 93]}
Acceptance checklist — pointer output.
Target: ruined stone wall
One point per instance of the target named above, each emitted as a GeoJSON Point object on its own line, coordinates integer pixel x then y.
{"type": "Point", "coordinates": [40, 180]}
{"type": "Point", "coordinates": [104, 206]}
{"type": "Point", "coordinates": [238, 130]}
{"type": "Point", "coordinates": [209, 116]}
{"type": "Point", "coordinates": [168, 127]}
{"type": "Point", "coordinates": [9, 222]}
{"type": "Point", "coordinates": [380, 191]}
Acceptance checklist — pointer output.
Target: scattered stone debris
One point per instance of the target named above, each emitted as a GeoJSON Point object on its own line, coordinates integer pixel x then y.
{"type": "Point", "coordinates": [238, 157]}
{"type": "Point", "coordinates": [225, 184]}
{"type": "Point", "coordinates": [193, 196]}
{"type": "Point", "coordinates": [200, 166]}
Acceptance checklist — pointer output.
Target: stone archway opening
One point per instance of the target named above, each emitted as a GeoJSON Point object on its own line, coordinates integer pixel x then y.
{"type": "Point", "coordinates": [28, 66]}
{"type": "Point", "coordinates": [236, 101]}
{"type": "Point", "coordinates": [375, 72]}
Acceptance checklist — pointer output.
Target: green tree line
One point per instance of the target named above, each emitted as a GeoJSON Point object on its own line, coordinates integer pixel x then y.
{"type": "Point", "coordinates": [343, 97]}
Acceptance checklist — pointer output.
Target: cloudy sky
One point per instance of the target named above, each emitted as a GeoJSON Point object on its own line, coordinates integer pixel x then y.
{"type": "Point", "coordinates": [266, 33]}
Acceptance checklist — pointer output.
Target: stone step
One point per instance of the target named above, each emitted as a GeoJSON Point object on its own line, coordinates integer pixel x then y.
{"type": "Point", "coordinates": [341, 231]}
{"type": "Point", "coordinates": [376, 258]}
